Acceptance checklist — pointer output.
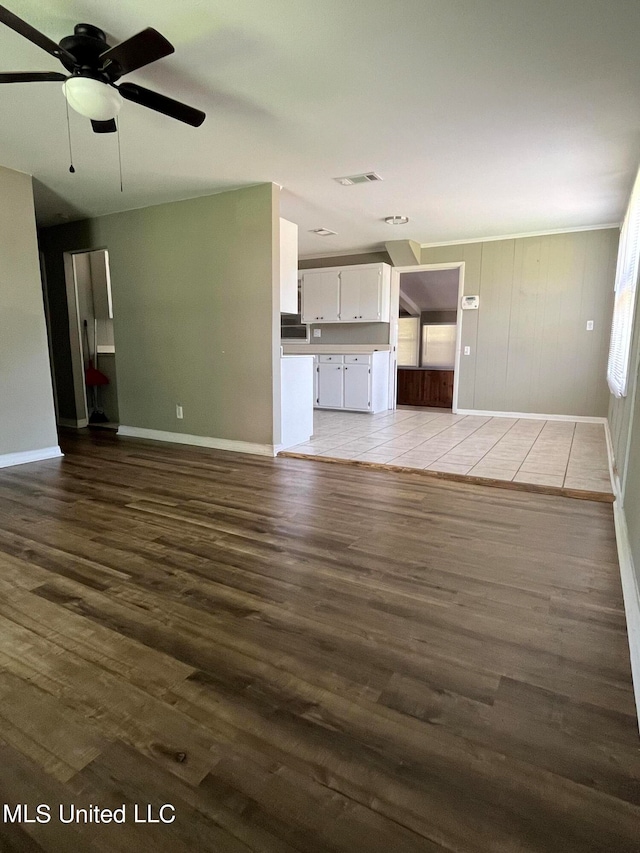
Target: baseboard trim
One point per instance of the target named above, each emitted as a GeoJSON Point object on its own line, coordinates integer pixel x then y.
{"type": "Point", "coordinates": [198, 441]}
{"type": "Point", "coordinates": [71, 422]}
{"type": "Point", "coordinates": [631, 595]}
{"type": "Point", "coordinates": [8, 460]}
{"type": "Point", "coordinates": [536, 416]}
{"type": "Point", "coordinates": [628, 576]}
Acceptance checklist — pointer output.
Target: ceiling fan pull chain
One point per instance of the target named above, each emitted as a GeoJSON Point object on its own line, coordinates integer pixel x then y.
{"type": "Point", "coordinates": [119, 153]}
{"type": "Point", "coordinates": [71, 167]}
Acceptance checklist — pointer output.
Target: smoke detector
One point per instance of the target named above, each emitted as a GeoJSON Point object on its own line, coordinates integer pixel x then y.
{"type": "Point", "coordinates": [364, 178]}
{"type": "Point", "coordinates": [396, 220]}
{"type": "Point", "coordinates": [323, 232]}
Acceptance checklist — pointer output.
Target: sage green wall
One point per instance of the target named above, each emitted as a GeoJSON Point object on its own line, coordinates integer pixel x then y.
{"type": "Point", "coordinates": [193, 296]}
{"type": "Point", "coordinates": [27, 418]}
{"type": "Point", "coordinates": [530, 351]}
{"type": "Point", "coordinates": [351, 333]}
{"type": "Point", "coordinates": [381, 257]}
{"type": "Point", "coordinates": [632, 491]}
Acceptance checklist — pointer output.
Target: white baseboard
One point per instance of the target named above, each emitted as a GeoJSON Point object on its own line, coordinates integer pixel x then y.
{"type": "Point", "coordinates": [9, 459]}
{"type": "Point", "coordinates": [74, 424]}
{"type": "Point", "coordinates": [628, 576]}
{"type": "Point", "coordinates": [536, 416]}
{"type": "Point", "coordinates": [631, 595]}
{"type": "Point", "coordinates": [199, 441]}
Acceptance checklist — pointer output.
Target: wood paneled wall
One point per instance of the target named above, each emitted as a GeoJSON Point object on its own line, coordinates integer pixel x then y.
{"type": "Point", "coordinates": [530, 351]}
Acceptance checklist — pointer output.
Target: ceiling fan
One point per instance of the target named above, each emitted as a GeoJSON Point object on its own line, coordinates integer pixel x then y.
{"type": "Point", "coordinates": [94, 68]}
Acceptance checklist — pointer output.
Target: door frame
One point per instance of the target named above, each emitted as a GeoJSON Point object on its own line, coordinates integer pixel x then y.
{"type": "Point", "coordinates": [75, 332]}
{"type": "Point", "coordinates": [393, 329]}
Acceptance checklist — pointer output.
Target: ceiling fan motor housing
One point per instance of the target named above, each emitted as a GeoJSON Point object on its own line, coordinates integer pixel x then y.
{"type": "Point", "coordinates": [86, 46]}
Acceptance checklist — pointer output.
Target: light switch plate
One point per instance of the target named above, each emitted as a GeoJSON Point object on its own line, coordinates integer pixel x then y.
{"type": "Point", "coordinates": [467, 350]}
{"type": "Point", "coordinates": [589, 325]}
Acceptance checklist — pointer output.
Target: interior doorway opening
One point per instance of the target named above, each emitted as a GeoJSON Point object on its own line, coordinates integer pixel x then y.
{"type": "Point", "coordinates": [93, 351]}
{"type": "Point", "coordinates": [428, 337]}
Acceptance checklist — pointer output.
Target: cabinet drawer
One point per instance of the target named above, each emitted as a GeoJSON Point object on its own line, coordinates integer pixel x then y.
{"type": "Point", "coordinates": [357, 359]}
{"type": "Point", "coordinates": [336, 359]}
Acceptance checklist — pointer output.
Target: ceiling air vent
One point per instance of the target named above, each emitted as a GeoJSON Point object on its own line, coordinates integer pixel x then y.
{"type": "Point", "coordinates": [323, 232]}
{"type": "Point", "coordinates": [364, 178]}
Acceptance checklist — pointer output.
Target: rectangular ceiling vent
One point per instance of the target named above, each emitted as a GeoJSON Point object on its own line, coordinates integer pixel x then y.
{"type": "Point", "coordinates": [323, 232]}
{"type": "Point", "coordinates": [364, 178]}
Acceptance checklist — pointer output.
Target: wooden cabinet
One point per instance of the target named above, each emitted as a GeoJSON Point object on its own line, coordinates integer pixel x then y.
{"type": "Point", "coordinates": [422, 387]}
{"type": "Point", "coordinates": [358, 383]}
{"type": "Point", "coordinates": [320, 296]}
{"type": "Point", "coordinates": [355, 294]}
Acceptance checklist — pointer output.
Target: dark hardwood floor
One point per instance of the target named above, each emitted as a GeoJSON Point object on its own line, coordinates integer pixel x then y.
{"type": "Point", "coordinates": [304, 657]}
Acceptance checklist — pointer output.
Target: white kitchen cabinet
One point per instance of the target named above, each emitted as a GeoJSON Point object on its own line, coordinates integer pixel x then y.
{"type": "Point", "coordinates": [330, 386]}
{"type": "Point", "coordinates": [358, 383]}
{"type": "Point", "coordinates": [320, 296]}
{"type": "Point", "coordinates": [296, 399]}
{"type": "Point", "coordinates": [288, 267]}
{"type": "Point", "coordinates": [357, 391]}
{"type": "Point", "coordinates": [354, 294]}
{"type": "Point", "coordinates": [361, 295]}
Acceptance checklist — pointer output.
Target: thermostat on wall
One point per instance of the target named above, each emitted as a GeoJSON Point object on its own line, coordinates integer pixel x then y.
{"type": "Point", "coordinates": [470, 302]}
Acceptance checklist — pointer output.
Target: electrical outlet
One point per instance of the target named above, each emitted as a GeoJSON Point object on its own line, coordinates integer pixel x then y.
{"type": "Point", "coordinates": [589, 325]}
{"type": "Point", "coordinates": [317, 333]}
{"type": "Point", "coordinates": [467, 350]}
{"type": "Point", "coordinates": [179, 413]}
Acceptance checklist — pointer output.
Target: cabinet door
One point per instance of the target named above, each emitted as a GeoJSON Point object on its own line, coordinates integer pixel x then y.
{"type": "Point", "coordinates": [330, 394]}
{"type": "Point", "coordinates": [361, 295]}
{"type": "Point", "coordinates": [356, 387]}
{"type": "Point", "coordinates": [288, 267]}
{"type": "Point", "coordinates": [320, 297]}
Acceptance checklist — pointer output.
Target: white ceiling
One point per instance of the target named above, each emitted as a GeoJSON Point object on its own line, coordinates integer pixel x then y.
{"type": "Point", "coordinates": [431, 290]}
{"type": "Point", "coordinates": [484, 117]}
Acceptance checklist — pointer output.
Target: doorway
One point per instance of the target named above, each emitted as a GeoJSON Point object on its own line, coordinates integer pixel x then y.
{"type": "Point", "coordinates": [93, 351]}
{"type": "Point", "coordinates": [427, 346]}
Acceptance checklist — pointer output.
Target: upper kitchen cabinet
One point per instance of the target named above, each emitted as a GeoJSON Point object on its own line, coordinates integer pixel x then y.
{"type": "Point", "coordinates": [354, 294]}
{"type": "Point", "coordinates": [321, 296]}
{"type": "Point", "coordinates": [288, 267]}
{"type": "Point", "coordinates": [364, 294]}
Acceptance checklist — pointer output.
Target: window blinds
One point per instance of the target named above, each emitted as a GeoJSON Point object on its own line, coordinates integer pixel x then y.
{"type": "Point", "coordinates": [625, 296]}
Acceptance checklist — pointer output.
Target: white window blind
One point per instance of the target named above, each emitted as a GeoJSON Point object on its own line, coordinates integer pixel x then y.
{"type": "Point", "coordinates": [625, 296]}
{"type": "Point", "coordinates": [408, 341]}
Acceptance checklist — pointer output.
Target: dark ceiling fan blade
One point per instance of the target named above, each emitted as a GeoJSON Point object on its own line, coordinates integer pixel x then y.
{"type": "Point", "coordinates": [24, 29]}
{"type": "Point", "coordinates": [108, 126]}
{"type": "Point", "coordinates": [162, 104]}
{"type": "Point", "coordinates": [139, 50]}
{"type": "Point", "coordinates": [30, 76]}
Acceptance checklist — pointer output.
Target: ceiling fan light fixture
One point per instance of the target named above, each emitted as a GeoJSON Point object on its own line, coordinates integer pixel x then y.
{"type": "Point", "coordinates": [92, 98]}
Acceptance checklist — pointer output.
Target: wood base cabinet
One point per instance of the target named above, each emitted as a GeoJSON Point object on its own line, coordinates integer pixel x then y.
{"type": "Point", "coordinates": [357, 383]}
{"type": "Point", "coordinates": [423, 387]}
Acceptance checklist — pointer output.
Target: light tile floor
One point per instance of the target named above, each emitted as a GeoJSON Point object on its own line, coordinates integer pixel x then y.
{"type": "Point", "coordinates": [548, 453]}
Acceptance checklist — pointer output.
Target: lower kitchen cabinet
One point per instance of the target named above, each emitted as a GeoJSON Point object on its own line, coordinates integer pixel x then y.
{"type": "Point", "coordinates": [419, 386]}
{"type": "Point", "coordinates": [358, 382]}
